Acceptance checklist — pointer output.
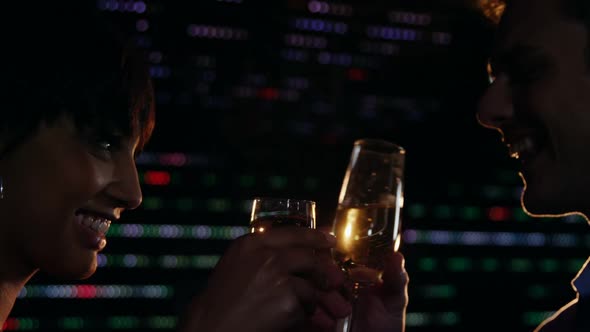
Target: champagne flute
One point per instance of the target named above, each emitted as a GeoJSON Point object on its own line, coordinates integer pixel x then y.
{"type": "Point", "coordinates": [277, 212]}
{"type": "Point", "coordinates": [368, 219]}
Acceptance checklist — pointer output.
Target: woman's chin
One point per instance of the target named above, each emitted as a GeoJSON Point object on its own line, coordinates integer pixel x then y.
{"type": "Point", "coordinates": [75, 269]}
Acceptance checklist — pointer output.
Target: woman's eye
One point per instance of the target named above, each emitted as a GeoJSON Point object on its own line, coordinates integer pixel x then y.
{"type": "Point", "coordinates": [105, 145]}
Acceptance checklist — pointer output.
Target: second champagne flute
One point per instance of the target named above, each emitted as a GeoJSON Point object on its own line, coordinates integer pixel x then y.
{"type": "Point", "coordinates": [368, 219]}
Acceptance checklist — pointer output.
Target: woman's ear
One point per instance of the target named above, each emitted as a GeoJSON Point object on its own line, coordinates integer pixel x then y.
{"type": "Point", "coordinates": [4, 139]}
{"type": "Point", "coordinates": [11, 138]}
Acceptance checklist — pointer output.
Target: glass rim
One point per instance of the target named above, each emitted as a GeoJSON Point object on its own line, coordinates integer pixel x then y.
{"type": "Point", "coordinates": [282, 199]}
{"type": "Point", "coordinates": [380, 143]}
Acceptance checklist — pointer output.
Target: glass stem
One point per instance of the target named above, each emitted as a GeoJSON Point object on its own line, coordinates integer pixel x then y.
{"type": "Point", "coordinates": [347, 324]}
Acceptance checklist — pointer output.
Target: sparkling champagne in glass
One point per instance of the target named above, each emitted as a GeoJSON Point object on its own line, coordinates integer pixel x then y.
{"type": "Point", "coordinates": [278, 212]}
{"type": "Point", "coordinates": [368, 219]}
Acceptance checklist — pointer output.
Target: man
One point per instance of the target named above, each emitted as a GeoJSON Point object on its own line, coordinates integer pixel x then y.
{"type": "Point", "coordinates": [540, 103]}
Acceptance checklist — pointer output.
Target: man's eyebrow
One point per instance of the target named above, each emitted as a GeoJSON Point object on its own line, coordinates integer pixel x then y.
{"type": "Point", "coordinates": [508, 56]}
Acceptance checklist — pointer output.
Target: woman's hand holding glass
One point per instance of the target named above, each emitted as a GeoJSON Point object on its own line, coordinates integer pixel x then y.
{"type": "Point", "coordinates": [272, 280]}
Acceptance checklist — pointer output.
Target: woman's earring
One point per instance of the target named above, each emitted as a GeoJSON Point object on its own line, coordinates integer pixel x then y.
{"type": "Point", "coordinates": [1, 188]}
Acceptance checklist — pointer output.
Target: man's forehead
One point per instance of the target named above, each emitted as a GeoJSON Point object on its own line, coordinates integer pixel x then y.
{"type": "Point", "coordinates": [526, 20]}
{"type": "Point", "coordinates": [523, 14]}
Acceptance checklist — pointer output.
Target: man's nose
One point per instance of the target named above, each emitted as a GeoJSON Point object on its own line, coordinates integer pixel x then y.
{"type": "Point", "coordinates": [495, 107]}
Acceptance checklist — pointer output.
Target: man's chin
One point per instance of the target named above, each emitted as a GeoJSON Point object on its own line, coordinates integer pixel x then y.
{"type": "Point", "coordinates": [541, 206]}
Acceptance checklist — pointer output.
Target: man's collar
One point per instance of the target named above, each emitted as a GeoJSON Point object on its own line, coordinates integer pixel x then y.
{"type": "Point", "coordinates": [581, 282]}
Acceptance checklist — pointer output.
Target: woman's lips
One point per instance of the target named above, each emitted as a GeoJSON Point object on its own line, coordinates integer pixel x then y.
{"type": "Point", "coordinates": [92, 230]}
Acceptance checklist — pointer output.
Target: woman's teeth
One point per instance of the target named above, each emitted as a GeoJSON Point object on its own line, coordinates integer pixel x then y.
{"type": "Point", "coordinates": [98, 224]}
{"type": "Point", "coordinates": [524, 146]}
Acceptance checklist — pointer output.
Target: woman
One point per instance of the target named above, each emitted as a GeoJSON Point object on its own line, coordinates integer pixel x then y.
{"type": "Point", "coordinates": [77, 113]}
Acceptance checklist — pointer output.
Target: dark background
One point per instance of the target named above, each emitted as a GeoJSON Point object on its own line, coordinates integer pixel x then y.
{"type": "Point", "coordinates": [265, 98]}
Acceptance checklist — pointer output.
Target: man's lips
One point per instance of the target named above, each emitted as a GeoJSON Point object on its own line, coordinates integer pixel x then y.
{"type": "Point", "coordinates": [523, 143]}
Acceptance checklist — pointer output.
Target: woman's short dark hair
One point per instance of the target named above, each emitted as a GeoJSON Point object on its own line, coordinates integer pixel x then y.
{"type": "Point", "coordinates": [65, 59]}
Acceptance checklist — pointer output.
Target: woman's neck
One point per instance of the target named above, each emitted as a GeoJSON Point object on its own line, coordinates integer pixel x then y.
{"type": "Point", "coordinates": [11, 283]}
{"type": "Point", "coordinates": [7, 298]}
